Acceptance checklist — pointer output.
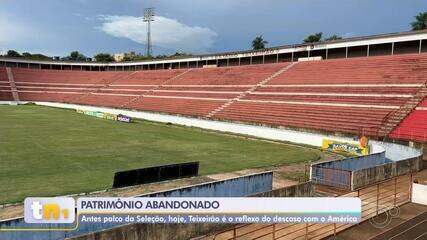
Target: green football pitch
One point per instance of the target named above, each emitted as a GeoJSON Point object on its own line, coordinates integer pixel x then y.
{"type": "Point", "coordinates": [48, 152]}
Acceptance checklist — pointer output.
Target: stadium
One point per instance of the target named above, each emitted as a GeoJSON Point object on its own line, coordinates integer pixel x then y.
{"type": "Point", "coordinates": [344, 117]}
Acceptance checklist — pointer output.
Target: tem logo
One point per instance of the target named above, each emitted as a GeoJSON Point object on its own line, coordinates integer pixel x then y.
{"type": "Point", "coordinates": [49, 210]}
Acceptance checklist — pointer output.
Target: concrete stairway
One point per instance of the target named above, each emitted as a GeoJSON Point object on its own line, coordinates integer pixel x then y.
{"type": "Point", "coordinates": [155, 88]}
{"type": "Point", "coordinates": [105, 85]}
{"type": "Point", "coordinates": [393, 119]}
{"type": "Point", "coordinates": [250, 90]}
{"type": "Point", "coordinates": [12, 84]}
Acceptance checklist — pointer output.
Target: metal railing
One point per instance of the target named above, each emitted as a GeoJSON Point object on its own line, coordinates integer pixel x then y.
{"type": "Point", "coordinates": [404, 110]}
{"type": "Point", "coordinates": [376, 199]}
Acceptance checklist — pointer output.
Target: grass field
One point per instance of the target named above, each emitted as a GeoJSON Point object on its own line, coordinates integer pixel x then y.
{"type": "Point", "coordinates": [46, 151]}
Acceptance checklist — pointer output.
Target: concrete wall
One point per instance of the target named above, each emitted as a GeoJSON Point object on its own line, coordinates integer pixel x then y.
{"type": "Point", "coordinates": [419, 193]}
{"type": "Point", "coordinates": [397, 152]}
{"type": "Point", "coordinates": [234, 187]}
{"type": "Point", "coordinates": [356, 163]}
{"type": "Point", "coordinates": [186, 231]}
{"type": "Point", "coordinates": [366, 170]}
{"type": "Point", "coordinates": [339, 173]}
{"type": "Point", "coordinates": [368, 176]}
{"type": "Point", "coordinates": [300, 190]}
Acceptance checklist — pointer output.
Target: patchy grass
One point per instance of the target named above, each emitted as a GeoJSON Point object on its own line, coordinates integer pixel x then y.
{"type": "Point", "coordinates": [48, 152]}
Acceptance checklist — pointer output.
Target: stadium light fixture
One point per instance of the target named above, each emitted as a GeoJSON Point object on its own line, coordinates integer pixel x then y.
{"type": "Point", "coordinates": [148, 18]}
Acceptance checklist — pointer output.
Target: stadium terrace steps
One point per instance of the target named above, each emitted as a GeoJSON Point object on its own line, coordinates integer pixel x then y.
{"type": "Point", "coordinates": [60, 86]}
{"type": "Point", "coordinates": [104, 100]}
{"type": "Point", "coordinates": [407, 69]}
{"type": "Point", "coordinates": [414, 126]}
{"type": "Point", "coordinates": [5, 88]}
{"type": "Point", "coordinates": [152, 78]}
{"type": "Point", "coordinates": [344, 95]}
{"type": "Point", "coordinates": [367, 100]}
{"type": "Point", "coordinates": [393, 119]}
{"type": "Point", "coordinates": [189, 107]}
{"type": "Point", "coordinates": [155, 88]}
{"type": "Point", "coordinates": [101, 85]}
{"type": "Point", "coordinates": [341, 119]}
{"type": "Point", "coordinates": [243, 75]}
{"type": "Point", "coordinates": [12, 84]}
{"type": "Point", "coordinates": [250, 90]}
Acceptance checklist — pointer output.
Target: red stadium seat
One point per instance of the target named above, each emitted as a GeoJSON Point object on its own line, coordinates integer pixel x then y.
{"type": "Point", "coordinates": [345, 95]}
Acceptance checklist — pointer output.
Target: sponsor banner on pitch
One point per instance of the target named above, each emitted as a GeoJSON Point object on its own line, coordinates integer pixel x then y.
{"type": "Point", "coordinates": [341, 146]}
{"type": "Point", "coordinates": [109, 116]}
{"type": "Point", "coordinates": [124, 118]}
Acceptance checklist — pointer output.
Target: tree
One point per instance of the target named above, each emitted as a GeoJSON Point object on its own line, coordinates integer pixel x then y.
{"type": "Point", "coordinates": [176, 54]}
{"type": "Point", "coordinates": [333, 37]}
{"type": "Point", "coordinates": [132, 56]}
{"type": "Point", "coordinates": [76, 56]}
{"type": "Point", "coordinates": [39, 56]}
{"type": "Point", "coordinates": [13, 53]}
{"type": "Point", "coordinates": [104, 57]}
{"type": "Point", "coordinates": [27, 55]}
{"type": "Point", "coordinates": [314, 38]}
{"type": "Point", "coordinates": [420, 22]}
{"type": "Point", "coordinates": [259, 43]}
{"type": "Point", "coordinates": [36, 56]}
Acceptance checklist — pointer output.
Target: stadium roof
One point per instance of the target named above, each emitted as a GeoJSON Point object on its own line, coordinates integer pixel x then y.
{"type": "Point", "coordinates": [334, 44]}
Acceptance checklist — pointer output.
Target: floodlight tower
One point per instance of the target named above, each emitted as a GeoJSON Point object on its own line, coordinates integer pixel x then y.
{"type": "Point", "coordinates": [148, 18]}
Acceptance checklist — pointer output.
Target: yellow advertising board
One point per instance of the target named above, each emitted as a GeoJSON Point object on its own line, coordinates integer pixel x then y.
{"type": "Point", "coordinates": [341, 146]}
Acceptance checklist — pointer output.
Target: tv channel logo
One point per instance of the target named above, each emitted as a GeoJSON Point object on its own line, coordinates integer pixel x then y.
{"type": "Point", "coordinates": [49, 210]}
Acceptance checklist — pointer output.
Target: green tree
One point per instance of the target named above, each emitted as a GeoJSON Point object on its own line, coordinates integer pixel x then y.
{"type": "Point", "coordinates": [420, 22]}
{"type": "Point", "coordinates": [13, 53]}
{"type": "Point", "coordinates": [27, 55]}
{"type": "Point", "coordinates": [76, 56]}
{"type": "Point", "coordinates": [176, 54]}
{"type": "Point", "coordinates": [36, 56]}
{"type": "Point", "coordinates": [317, 37]}
{"type": "Point", "coordinates": [104, 57]}
{"type": "Point", "coordinates": [333, 37]}
{"type": "Point", "coordinates": [259, 43]}
{"type": "Point", "coordinates": [39, 56]}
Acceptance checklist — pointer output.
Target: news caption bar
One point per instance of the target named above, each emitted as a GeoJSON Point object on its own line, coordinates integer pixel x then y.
{"type": "Point", "coordinates": [193, 210]}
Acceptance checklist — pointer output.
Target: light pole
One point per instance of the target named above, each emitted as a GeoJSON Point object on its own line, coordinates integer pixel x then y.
{"type": "Point", "coordinates": [148, 18]}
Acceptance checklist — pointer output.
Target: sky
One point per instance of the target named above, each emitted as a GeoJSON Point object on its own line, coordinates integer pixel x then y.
{"type": "Point", "coordinates": [57, 27]}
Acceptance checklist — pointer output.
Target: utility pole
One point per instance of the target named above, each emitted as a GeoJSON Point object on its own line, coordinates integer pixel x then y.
{"type": "Point", "coordinates": [148, 18]}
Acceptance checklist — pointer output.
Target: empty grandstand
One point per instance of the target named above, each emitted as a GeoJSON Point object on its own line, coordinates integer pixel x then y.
{"type": "Point", "coordinates": [358, 95]}
{"type": "Point", "coordinates": [344, 89]}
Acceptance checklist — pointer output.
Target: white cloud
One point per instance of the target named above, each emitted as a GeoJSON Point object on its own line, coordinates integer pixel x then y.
{"type": "Point", "coordinates": [21, 36]}
{"type": "Point", "coordinates": [166, 33]}
{"type": "Point", "coordinates": [12, 31]}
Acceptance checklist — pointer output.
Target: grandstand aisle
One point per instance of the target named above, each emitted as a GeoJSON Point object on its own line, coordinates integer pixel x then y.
{"type": "Point", "coordinates": [413, 127]}
{"type": "Point", "coordinates": [344, 95]}
{"type": "Point", "coordinates": [5, 88]}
